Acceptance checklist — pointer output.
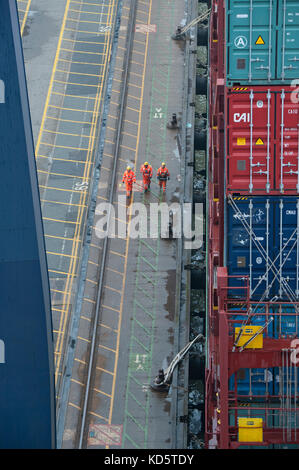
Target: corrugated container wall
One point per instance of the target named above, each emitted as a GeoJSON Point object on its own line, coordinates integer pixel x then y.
{"type": "Point", "coordinates": [262, 41]}
{"type": "Point", "coordinates": [263, 244]}
{"type": "Point", "coordinates": [262, 140]}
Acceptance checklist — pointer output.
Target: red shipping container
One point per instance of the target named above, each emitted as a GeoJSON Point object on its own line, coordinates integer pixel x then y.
{"type": "Point", "coordinates": [262, 140]}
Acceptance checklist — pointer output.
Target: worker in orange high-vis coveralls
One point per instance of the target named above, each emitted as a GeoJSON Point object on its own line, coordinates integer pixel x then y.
{"type": "Point", "coordinates": [129, 178]}
{"type": "Point", "coordinates": [147, 173]}
{"type": "Point", "coordinates": [163, 175]}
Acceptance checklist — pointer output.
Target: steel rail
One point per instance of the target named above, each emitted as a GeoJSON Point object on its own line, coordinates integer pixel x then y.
{"type": "Point", "coordinates": [129, 47]}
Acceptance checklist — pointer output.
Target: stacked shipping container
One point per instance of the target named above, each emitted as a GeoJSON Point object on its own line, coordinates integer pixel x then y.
{"type": "Point", "coordinates": [257, 293]}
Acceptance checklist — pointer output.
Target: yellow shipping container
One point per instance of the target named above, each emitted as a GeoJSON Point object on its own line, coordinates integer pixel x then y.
{"type": "Point", "coordinates": [250, 429]}
{"type": "Point", "coordinates": [247, 333]}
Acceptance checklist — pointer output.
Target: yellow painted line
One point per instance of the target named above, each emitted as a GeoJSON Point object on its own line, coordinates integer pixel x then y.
{"type": "Point", "coordinates": [61, 189]}
{"type": "Point", "coordinates": [104, 370]}
{"type": "Point", "coordinates": [74, 406]}
{"type": "Point", "coordinates": [66, 133]}
{"type": "Point", "coordinates": [110, 308]}
{"type": "Point", "coordinates": [71, 204]}
{"type": "Point", "coordinates": [25, 16]}
{"type": "Point", "coordinates": [60, 254]}
{"type": "Point", "coordinates": [131, 122]}
{"type": "Point", "coordinates": [73, 96]}
{"type": "Point", "coordinates": [84, 42]}
{"type": "Point", "coordinates": [86, 3]}
{"type": "Point", "coordinates": [131, 135]}
{"type": "Point", "coordinates": [139, 42]}
{"type": "Point", "coordinates": [59, 292]}
{"type": "Point", "coordinates": [57, 272]}
{"type": "Point", "coordinates": [80, 63]}
{"type": "Point", "coordinates": [115, 253]}
{"type": "Point", "coordinates": [95, 246]}
{"type": "Point", "coordinates": [138, 52]}
{"type": "Point", "coordinates": [134, 97]}
{"type": "Point", "coordinates": [100, 23]}
{"type": "Point", "coordinates": [63, 146]}
{"type": "Point", "coordinates": [71, 83]}
{"type": "Point", "coordinates": [83, 339]}
{"type": "Point", "coordinates": [101, 392]}
{"type": "Point", "coordinates": [137, 86]}
{"type": "Point", "coordinates": [81, 52]}
{"type": "Point", "coordinates": [85, 318]}
{"type": "Point", "coordinates": [60, 221]}
{"type": "Point", "coordinates": [136, 63]}
{"type": "Point", "coordinates": [107, 349]}
{"type": "Point", "coordinates": [137, 74]}
{"type": "Point", "coordinates": [97, 415]}
{"type": "Point", "coordinates": [70, 109]}
{"type": "Point", "coordinates": [89, 300]}
{"type": "Point", "coordinates": [93, 263]}
{"type": "Point", "coordinates": [64, 160]}
{"type": "Point", "coordinates": [112, 289]}
{"type": "Point", "coordinates": [77, 382]}
{"type": "Point", "coordinates": [67, 120]}
{"type": "Point", "coordinates": [107, 327]}
{"type": "Point", "coordinates": [79, 73]}
{"type": "Point", "coordinates": [91, 282]}
{"type": "Point", "coordinates": [64, 175]}
{"type": "Point", "coordinates": [79, 360]}
{"type": "Point", "coordinates": [59, 238]}
{"type": "Point", "coordinates": [95, 33]}
{"type": "Point", "coordinates": [127, 148]}
{"type": "Point", "coordinates": [87, 12]}
{"type": "Point", "coordinates": [114, 271]}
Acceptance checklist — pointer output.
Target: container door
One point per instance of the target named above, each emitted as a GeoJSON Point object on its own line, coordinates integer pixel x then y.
{"type": "Point", "coordinates": [288, 40]}
{"type": "Point", "coordinates": [287, 151]}
{"type": "Point", "coordinates": [250, 144]}
{"type": "Point", "coordinates": [285, 249]}
{"type": "Point", "coordinates": [251, 40]}
{"type": "Point", "coordinates": [250, 244]}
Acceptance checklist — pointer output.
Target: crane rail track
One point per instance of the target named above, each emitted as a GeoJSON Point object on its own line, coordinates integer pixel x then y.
{"type": "Point", "coordinates": [95, 328]}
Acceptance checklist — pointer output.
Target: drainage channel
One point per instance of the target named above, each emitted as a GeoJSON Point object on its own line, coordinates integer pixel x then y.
{"type": "Point", "coordinates": [198, 257]}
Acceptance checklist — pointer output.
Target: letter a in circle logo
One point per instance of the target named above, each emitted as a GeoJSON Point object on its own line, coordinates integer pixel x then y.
{"type": "Point", "coordinates": [241, 42]}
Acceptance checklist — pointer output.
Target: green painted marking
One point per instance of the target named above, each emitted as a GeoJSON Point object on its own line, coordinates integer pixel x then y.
{"type": "Point", "coordinates": [144, 309]}
{"type": "Point", "coordinates": [159, 99]}
{"type": "Point", "coordinates": [135, 421]}
{"type": "Point", "coordinates": [142, 326]}
{"type": "Point", "coordinates": [148, 246]}
{"type": "Point", "coordinates": [136, 381]}
{"type": "Point", "coordinates": [148, 263]}
{"type": "Point", "coordinates": [144, 292]}
{"type": "Point", "coordinates": [148, 279]}
{"type": "Point", "coordinates": [135, 399]}
{"type": "Point", "coordinates": [139, 362]}
{"type": "Point", "coordinates": [131, 440]}
{"type": "Point", "coordinates": [140, 343]}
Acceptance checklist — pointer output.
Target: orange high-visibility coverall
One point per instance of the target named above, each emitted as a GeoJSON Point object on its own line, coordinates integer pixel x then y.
{"type": "Point", "coordinates": [129, 178]}
{"type": "Point", "coordinates": [147, 173]}
{"type": "Point", "coordinates": [163, 175]}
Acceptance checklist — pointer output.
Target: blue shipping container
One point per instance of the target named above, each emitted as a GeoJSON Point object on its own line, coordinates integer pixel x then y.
{"type": "Point", "coordinates": [262, 41]}
{"type": "Point", "coordinates": [262, 243]}
{"type": "Point", "coordinates": [27, 394]}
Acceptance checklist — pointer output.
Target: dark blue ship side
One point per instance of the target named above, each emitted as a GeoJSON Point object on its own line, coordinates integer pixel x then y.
{"type": "Point", "coordinates": [27, 397]}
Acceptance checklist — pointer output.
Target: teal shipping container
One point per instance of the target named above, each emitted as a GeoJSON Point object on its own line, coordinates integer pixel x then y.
{"type": "Point", "coordinates": [262, 39]}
